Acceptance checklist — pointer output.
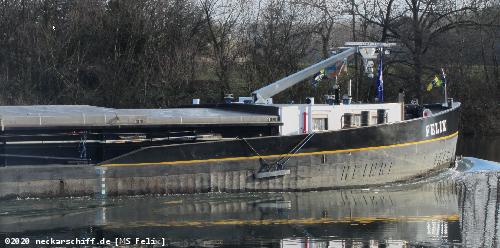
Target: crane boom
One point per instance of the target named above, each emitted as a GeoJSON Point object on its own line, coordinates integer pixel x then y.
{"type": "Point", "coordinates": [368, 50]}
{"type": "Point", "coordinates": [260, 95]}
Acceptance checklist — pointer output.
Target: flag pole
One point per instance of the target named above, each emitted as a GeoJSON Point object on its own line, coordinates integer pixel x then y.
{"type": "Point", "coordinates": [380, 80]}
{"type": "Point", "coordinates": [445, 85]}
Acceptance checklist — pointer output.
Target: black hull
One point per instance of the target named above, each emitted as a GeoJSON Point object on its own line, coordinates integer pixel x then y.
{"type": "Point", "coordinates": [357, 157]}
{"type": "Point", "coordinates": [372, 137]}
{"type": "Point", "coordinates": [40, 137]}
{"type": "Point", "coordinates": [64, 145]}
{"type": "Point", "coordinates": [347, 158]}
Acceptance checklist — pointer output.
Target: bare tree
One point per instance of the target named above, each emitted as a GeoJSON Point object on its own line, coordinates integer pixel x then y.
{"type": "Point", "coordinates": [278, 42]}
{"type": "Point", "coordinates": [325, 15]}
{"type": "Point", "coordinates": [222, 20]}
{"type": "Point", "coordinates": [158, 53]}
{"type": "Point", "coordinates": [416, 24]}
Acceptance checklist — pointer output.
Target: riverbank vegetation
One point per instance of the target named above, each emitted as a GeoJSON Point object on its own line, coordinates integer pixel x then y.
{"type": "Point", "coordinates": [163, 53]}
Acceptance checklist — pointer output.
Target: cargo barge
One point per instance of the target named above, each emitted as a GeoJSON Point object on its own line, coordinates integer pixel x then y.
{"type": "Point", "coordinates": [249, 144]}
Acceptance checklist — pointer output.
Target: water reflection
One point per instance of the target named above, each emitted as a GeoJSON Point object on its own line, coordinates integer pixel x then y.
{"type": "Point", "coordinates": [298, 243]}
{"type": "Point", "coordinates": [483, 147]}
{"type": "Point", "coordinates": [458, 207]}
{"type": "Point", "coordinates": [479, 220]}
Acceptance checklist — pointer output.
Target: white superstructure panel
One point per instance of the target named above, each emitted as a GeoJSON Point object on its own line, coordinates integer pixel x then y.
{"type": "Point", "coordinates": [290, 117]}
{"type": "Point", "coordinates": [329, 117]}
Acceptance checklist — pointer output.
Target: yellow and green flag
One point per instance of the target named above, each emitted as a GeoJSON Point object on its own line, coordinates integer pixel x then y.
{"type": "Point", "coordinates": [436, 82]}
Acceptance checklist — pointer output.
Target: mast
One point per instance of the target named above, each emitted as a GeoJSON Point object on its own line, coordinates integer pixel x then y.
{"type": "Point", "coordinates": [356, 72]}
{"type": "Point", "coordinates": [445, 90]}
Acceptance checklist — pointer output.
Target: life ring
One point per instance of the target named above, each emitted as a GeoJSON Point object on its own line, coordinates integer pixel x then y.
{"type": "Point", "coordinates": [426, 113]}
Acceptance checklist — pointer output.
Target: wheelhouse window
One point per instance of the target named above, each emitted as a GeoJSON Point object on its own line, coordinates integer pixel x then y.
{"type": "Point", "coordinates": [320, 124]}
{"type": "Point", "coordinates": [356, 120]}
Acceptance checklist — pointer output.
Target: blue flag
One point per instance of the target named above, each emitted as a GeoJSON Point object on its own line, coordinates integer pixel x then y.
{"type": "Point", "coordinates": [380, 81]}
{"type": "Point", "coordinates": [334, 70]}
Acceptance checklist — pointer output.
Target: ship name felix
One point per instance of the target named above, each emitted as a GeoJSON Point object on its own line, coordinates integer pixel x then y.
{"type": "Point", "coordinates": [435, 128]}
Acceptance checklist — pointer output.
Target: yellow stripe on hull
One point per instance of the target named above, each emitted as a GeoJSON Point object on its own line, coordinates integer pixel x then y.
{"type": "Point", "coordinates": [280, 155]}
{"type": "Point", "coordinates": [305, 221]}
